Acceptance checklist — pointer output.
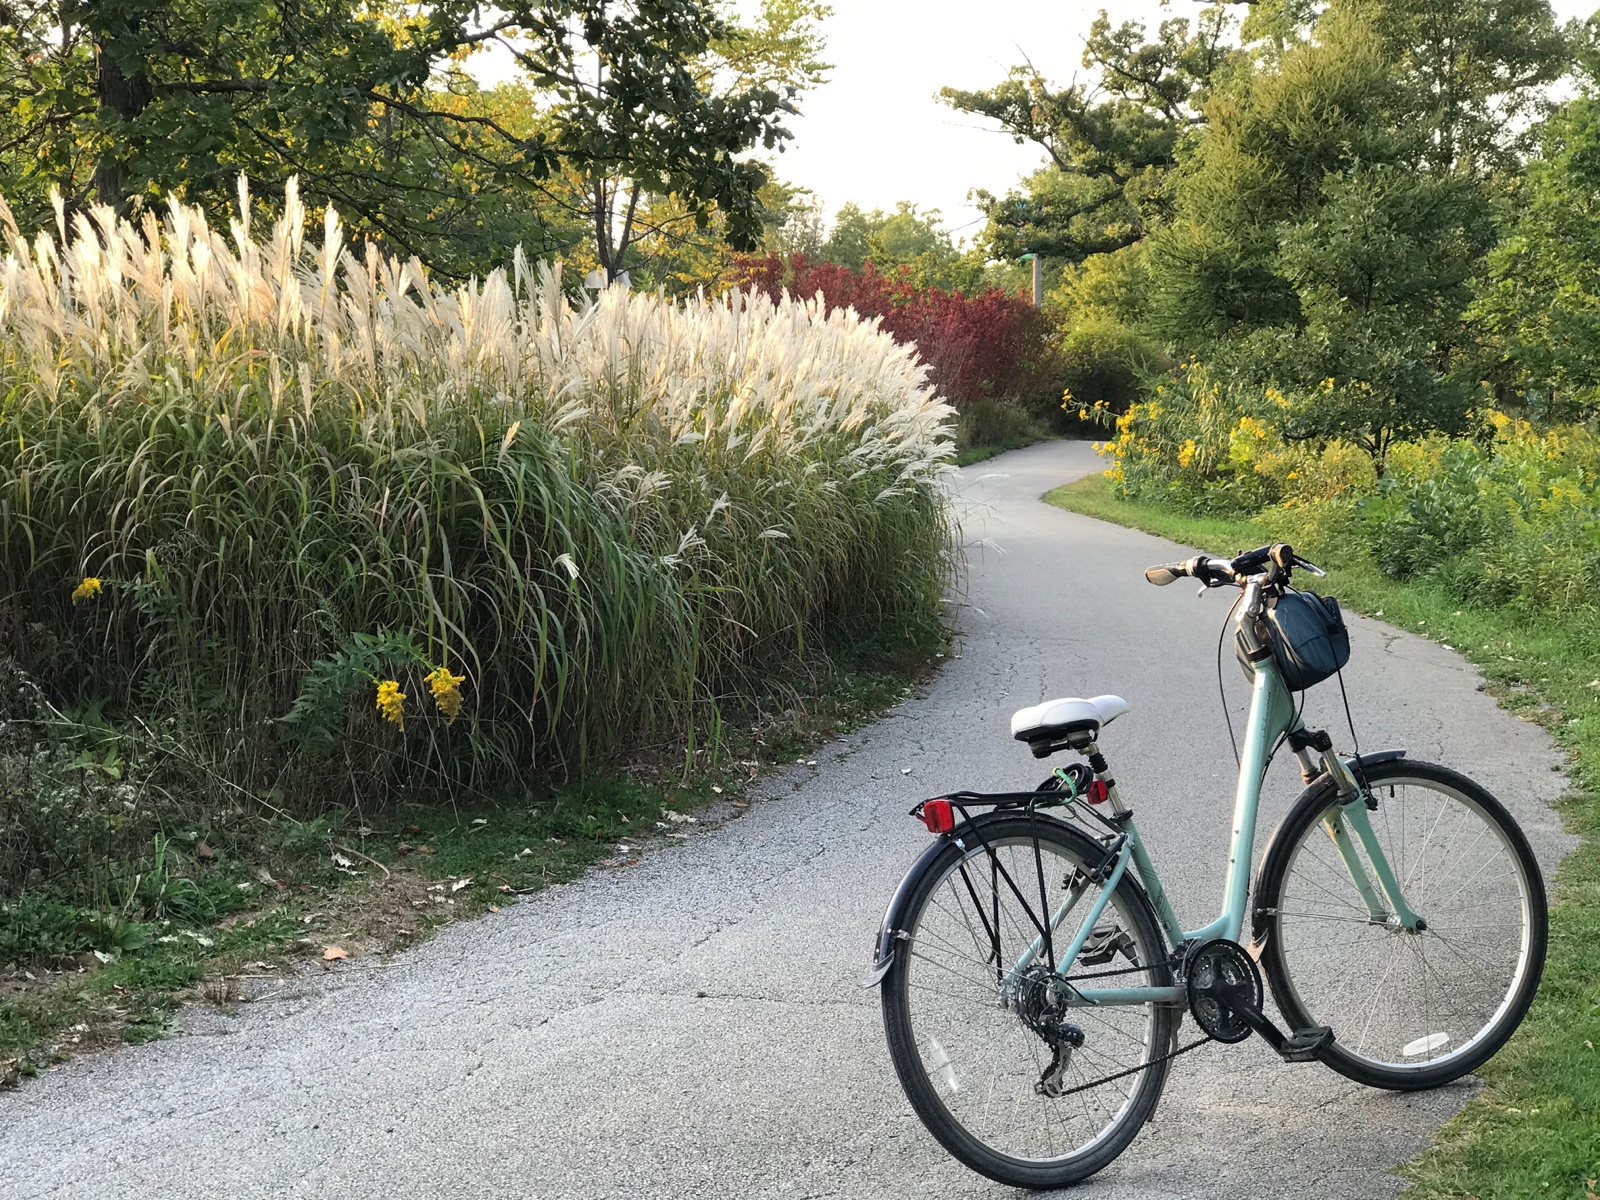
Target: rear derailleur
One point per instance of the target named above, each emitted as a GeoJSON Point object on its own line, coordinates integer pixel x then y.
{"type": "Point", "coordinates": [1041, 1002]}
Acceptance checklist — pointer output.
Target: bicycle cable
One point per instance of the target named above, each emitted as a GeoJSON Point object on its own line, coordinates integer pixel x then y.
{"type": "Point", "coordinates": [1357, 769]}
{"type": "Point", "coordinates": [1222, 692]}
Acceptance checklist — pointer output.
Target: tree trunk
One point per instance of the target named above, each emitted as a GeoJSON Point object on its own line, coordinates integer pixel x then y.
{"type": "Point", "coordinates": [118, 93]}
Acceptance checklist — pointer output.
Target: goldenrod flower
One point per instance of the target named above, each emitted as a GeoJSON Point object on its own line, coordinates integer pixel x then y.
{"type": "Point", "coordinates": [87, 590]}
{"type": "Point", "coordinates": [446, 689]}
{"type": "Point", "coordinates": [392, 703]}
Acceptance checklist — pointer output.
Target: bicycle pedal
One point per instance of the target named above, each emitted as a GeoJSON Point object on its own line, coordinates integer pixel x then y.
{"type": "Point", "coordinates": [1306, 1045]}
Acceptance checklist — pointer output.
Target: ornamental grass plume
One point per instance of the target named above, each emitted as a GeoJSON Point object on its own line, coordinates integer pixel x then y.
{"type": "Point", "coordinates": [617, 516]}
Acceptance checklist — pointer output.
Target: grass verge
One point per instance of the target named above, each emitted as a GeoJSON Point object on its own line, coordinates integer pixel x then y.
{"type": "Point", "coordinates": [1534, 1130]}
{"type": "Point", "coordinates": [208, 925]}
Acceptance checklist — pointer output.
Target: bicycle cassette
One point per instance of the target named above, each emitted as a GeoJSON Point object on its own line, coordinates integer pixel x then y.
{"type": "Point", "coordinates": [1224, 988]}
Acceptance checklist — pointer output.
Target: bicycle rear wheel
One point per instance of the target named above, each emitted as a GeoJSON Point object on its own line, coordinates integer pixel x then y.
{"type": "Point", "coordinates": [1409, 1009]}
{"type": "Point", "coordinates": [972, 1064]}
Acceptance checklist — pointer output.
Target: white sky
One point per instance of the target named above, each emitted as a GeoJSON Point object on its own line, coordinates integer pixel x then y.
{"type": "Point", "coordinates": [875, 133]}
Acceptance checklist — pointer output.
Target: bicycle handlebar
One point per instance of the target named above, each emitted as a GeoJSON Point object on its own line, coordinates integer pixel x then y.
{"type": "Point", "coordinates": [1219, 572]}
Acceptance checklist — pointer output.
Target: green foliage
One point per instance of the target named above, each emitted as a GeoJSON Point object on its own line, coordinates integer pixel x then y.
{"type": "Point", "coordinates": [1318, 239]}
{"type": "Point", "coordinates": [905, 240]}
{"type": "Point", "coordinates": [1102, 361]}
{"type": "Point", "coordinates": [118, 100]}
{"type": "Point", "coordinates": [995, 424]}
{"type": "Point", "coordinates": [321, 711]}
{"type": "Point", "coordinates": [1112, 141]}
{"type": "Point", "coordinates": [36, 929]}
{"type": "Point", "coordinates": [1474, 73]}
{"type": "Point", "coordinates": [1542, 302]}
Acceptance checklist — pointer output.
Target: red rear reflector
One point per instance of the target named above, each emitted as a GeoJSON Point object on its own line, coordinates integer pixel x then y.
{"type": "Point", "coordinates": [937, 816]}
{"type": "Point", "coordinates": [1097, 792]}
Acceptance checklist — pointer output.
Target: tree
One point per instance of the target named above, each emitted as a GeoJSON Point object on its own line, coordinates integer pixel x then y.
{"type": "Point", "coordinates": [1475, 71]}
{"type": "Point", "coordinates": [906, 241]}
{"type": "Point", "coordinates": [1322, 244]}
{"type": "Point", "coordinates": [1111, 142]}
{"type": "Point", "coordinates": [774, 59]}
{"type": "Point", "coordinates": [118, 100]}
{"type": "Point", "coordinates": [1543, 298]}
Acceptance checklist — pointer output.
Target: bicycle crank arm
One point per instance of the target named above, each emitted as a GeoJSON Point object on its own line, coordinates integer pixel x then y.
{"type": "Point", "coordinates": [1303, 1045]}
{"type": "Point", "coordinates": [1226, 997]}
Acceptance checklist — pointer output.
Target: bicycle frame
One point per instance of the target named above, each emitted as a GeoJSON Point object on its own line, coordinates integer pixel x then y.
{"type": "Point", "coordinates": [1272, 716]}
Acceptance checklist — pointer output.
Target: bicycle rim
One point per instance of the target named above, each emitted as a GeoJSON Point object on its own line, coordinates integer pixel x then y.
{"type": "Point", "coordinates": [979, 1063]}
{"type": "Point", "coordinates": [1433, 1003]}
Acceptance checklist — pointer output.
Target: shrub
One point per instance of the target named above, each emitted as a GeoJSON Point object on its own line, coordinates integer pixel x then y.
{"type": "Point", "coordinates": [603, 521]}
{"type": "Point", "coordinates": [988, 345]}
{"type": "Point", "coordinates": [1197, 442]}
{"type": "Point", "coordinates": [1102, 361]}
{"type": "Point", "coordinates": [1511, 519]}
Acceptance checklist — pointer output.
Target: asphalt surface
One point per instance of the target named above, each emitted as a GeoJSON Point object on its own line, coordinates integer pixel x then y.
{"type": "Point", "coordinates": [691, 1026]}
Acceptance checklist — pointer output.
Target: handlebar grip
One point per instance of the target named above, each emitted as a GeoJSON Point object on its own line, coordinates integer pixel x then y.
{"type": "Point", "coordinates": [1166, 573]}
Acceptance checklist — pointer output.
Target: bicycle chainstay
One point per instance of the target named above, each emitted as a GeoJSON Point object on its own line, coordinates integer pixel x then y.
{"type": "Point", "coordinates": [1175, 960]}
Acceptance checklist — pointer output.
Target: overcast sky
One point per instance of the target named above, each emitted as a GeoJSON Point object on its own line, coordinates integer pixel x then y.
{"type": "Point", "coordinates": [875, 133]}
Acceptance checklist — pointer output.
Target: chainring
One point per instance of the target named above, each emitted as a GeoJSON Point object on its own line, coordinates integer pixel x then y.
{"type": "Point", "coordinates": [1223, 981]}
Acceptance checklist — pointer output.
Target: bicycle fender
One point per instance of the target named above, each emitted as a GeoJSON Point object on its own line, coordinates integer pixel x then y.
{"type": "Point", "coordinates": [889, 932]}
{"type": "Point", "coordinates": [1258, 917]}
{"type": "Point", "coordinates": [888, 929]}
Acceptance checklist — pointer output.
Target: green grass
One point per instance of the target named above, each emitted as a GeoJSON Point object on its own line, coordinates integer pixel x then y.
{"type": "Point", "coordinates": [1534, 1130]}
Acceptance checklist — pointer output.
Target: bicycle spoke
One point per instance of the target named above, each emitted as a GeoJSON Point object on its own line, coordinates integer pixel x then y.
{"type": "Point", "coordinates": [1389, 995]}
{"type": "Point", "coordinates": [980, 1057]}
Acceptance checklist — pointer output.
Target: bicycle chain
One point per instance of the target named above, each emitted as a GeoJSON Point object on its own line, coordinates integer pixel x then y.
{"type": "Point", "coordinates": [1084, 1087]}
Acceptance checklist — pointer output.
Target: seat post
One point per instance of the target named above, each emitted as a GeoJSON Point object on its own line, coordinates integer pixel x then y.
{"type": "Point", "coordinates": [1102, 772]}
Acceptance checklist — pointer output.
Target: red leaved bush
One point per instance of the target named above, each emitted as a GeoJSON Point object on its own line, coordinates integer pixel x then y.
{"type": "Point", "coordinates": [991, 344]}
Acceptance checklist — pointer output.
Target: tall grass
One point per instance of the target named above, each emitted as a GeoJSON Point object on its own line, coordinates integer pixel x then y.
{"type": "Point", "coordinates": [611, 518]}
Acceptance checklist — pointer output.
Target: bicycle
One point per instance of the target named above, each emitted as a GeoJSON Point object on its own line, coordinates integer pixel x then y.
{"type": "Point", "coordinates": [1398, 914]}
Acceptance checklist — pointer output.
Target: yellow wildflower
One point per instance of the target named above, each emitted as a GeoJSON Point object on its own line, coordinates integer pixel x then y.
{"type": "Point", "coordinates": [87, 590]}
{"type": "Point", "coordinates": [446, 689]}
{"type": "Point", "coordinates": [392, 703]}
{"type": "Point", "coordinates": [1186, 452]}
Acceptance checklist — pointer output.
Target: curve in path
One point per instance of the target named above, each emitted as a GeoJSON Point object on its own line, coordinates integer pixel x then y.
{"type": "Point", "coordinates": [691, 1027]}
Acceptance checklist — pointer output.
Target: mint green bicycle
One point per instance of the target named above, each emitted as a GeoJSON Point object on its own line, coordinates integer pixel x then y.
{"type": "Point", "coordinates": [1034, 975]}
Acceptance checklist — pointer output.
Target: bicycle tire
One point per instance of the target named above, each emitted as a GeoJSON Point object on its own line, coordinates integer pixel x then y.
{"type": "Point", "coordinates": [1303, 1003]}
{"type": "Point", "coordinates": [962, 1143]}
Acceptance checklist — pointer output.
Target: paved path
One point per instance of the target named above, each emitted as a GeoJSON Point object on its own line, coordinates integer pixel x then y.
{"type": "Point", "coordinates": [690, 1027]}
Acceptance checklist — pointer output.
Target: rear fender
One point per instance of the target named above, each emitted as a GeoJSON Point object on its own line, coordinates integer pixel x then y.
{"type": "Point", "coordinates": [891, 931]}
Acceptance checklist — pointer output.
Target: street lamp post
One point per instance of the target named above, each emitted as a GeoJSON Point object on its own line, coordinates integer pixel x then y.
{"type": "Point", "coordinates": [1038, 279]}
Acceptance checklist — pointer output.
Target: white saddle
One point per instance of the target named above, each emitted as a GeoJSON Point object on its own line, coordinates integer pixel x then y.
{"type": "Point", "coordinates": [1057, 719]}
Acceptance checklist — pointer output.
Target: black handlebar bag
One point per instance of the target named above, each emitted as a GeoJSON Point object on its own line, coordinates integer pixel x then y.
{"type": "Point", "coordinates": [1308, 637]}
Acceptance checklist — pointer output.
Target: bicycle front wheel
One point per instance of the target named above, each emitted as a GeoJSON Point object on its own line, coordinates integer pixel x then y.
{"type": "Point", "coordinates": [981, 1055]}
{"type": "Point", "coordinates": [1409, 1009]}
